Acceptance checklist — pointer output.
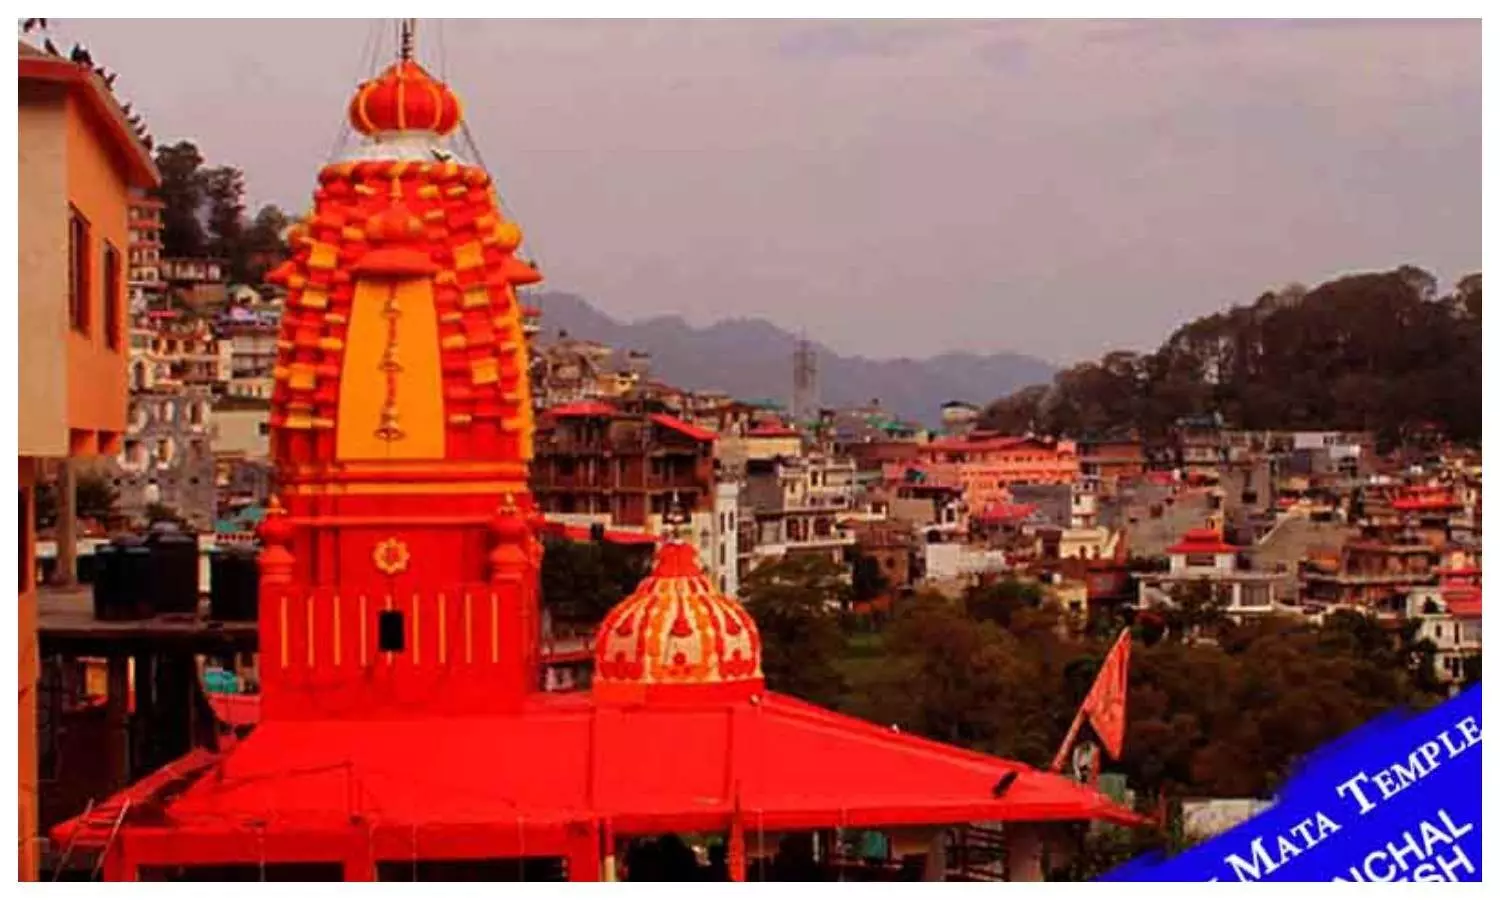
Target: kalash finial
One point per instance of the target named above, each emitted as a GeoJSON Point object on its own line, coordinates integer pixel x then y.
{"type": "Point", "coordinates": [405, 98]}
{"type": "Point", "coordinates": [408, 38]}
{"type": "Point", "coordinates": [675, 521]}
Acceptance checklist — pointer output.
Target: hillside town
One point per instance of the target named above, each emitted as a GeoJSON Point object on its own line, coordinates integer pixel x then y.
{"type": "Point", "coordinates": [181, 436]}
{"type": "Point", "coordinates": [1290, 523]}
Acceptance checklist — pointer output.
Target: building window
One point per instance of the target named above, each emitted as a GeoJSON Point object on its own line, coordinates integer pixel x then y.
{"type": "Point", "coordinates": [114, 289]}
{"type": "Point", "coordinates": [78, 271]}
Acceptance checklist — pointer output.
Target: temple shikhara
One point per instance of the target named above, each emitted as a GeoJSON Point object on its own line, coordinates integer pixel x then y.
{"type": "Point", "coordinates": [403, 734]}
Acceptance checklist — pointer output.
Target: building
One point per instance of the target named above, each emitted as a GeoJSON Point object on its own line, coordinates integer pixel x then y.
{"type": "Point", "coordinates": [893, 547]}
{"type": "Point", "coordinates": [798, 505]}
{"type": "Point", "coordinates": [402, 731]}
{"type": "Point", "coordinates": [1450, 619]}
{"type": "Point", "coordinates": [571, 370]}
{"type": "Point", "coordinates": [1062, 505]}
{"type": "Point", "coordinates": [1202, 557]}
{"type": "Point", "coordinates": [1199, 448]}
{"type": "Point", "coordinates": [79, 163]}
{"type": "Point", "coordinates": [759, 442]}
{"type": "Point", "coordinates": [178, 352]}
{"type": "Point", "coordinates": [241, 428]}
{"type": "Point", "coordinates": [1105, 464]}
{"type": "Point", "coordinates": [959, 418]}
{"type": "Point", "coordinates": [1370, 574]}
{"type": "Point", "coordinates": [197, 282]}
{"type": "Point", "coordinates": [595, 459]}
{"type": "Point", "coordinates": [167, 459]}
{"type": "Point", "coordinates": [251, 344]}
{"type": "Point", "coordinates": [146, 283]}
{"type": "Point", "coordinates": [984, 466]}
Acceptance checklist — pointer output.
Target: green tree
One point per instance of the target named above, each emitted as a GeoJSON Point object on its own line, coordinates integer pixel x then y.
{"type": "Point", "coordinates": [1379, 351]}
{"type": "Point", "coordinates": [223, 190]}
{"type": "Point", "coordinates": [264, 246]}
{"type": "Point", "coordinates": [796, 602]}
{"type": "Point", "coordinates": [1001, 600]}
{"type": "Point", "coordinates": [1198, 609]}
{"type": "Point", "coordinates": [94, 494]}
{"type": "Point", "coordinates": [181, 190]}
{"type": "Point", "coordinates": [869, 581]}
{"type": "Point", "coordinates": [584, 580]}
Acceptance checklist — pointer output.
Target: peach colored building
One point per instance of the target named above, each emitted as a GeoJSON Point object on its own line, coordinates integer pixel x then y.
{"type": "Point", "coordinates": [79, 160]}
{"type": "Point", "coordinates": [984, 466]}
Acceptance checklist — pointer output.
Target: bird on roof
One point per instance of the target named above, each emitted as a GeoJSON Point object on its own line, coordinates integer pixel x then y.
{"type": "Point", "coordinates": [30, 25]}
{"type": "Point", "coordinates": [81, 55]}
{"type": "Point", "coordinates": [50, 47]}
{"type": "Point", "coordinates": [126, 108]}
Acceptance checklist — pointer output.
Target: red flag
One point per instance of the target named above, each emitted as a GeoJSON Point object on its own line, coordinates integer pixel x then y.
{"type": "Point", "coordinates": [1104, 707]}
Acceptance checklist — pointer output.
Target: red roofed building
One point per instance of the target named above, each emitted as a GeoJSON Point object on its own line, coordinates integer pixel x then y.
{"type": "Point", "coordinates": [402, 732]}
{"type": "Point", "coordinates": [1450, 618]}
{"type": "Point", "coordinates": [1202, 556]}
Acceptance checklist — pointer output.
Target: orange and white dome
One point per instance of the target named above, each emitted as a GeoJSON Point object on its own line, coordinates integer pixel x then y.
{"type": "Point", "coordinates": [404, 98]}
{"type": "Point", "coordinates": [676, 631]}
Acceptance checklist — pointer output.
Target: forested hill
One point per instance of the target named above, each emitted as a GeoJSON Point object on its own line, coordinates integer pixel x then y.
{"type": "Point", "coordinates": [1383, 351]}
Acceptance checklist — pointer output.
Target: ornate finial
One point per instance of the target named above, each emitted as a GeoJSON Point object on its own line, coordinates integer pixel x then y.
{"type": "Point", "coordinates": [676, 519]}
{"type": "Point", "coordinates": [275, 533]}
{"type": "Point", "coordinates": [408, 38]}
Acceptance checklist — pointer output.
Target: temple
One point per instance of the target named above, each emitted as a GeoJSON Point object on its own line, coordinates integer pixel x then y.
{"type": "Point", "coordinates": [402, 732]}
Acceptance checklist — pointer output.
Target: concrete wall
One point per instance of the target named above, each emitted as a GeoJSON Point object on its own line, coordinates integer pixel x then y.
{"type": "Point", "coordinates": [97, 382]}
{"type": "Point", "coordinates": [242, 432]}
{"type": "Point", "coordinates": [43, 300]}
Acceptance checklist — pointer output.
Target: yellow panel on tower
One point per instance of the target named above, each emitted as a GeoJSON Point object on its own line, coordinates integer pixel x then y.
{"type": "Point", "coordinates": [391, 386]}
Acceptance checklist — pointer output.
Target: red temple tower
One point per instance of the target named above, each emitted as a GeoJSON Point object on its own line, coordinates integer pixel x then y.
{"type": "Point", "coordinates": [401, 732]}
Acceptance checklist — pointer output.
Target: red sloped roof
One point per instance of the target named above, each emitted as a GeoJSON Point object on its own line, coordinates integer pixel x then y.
{"type": "Point", "coordinates": [1464, 603]}
{"type": "Point", "coordinates": [770, 430]}
{"type": "Point", "coordinates": [235, 709]}
{"type": "Point", "coordinates": [1006, 512]}
{"type": "Point", "coordinates": [649, 768]}
{"type": "Point", "coordinates": [687, 428]}
{"type": "Point", "coordinates": [101, 108]}
{"type": "Point", "coordinates": [581, 408]}
{"type": "Point", "coordinates": [1202, 540]}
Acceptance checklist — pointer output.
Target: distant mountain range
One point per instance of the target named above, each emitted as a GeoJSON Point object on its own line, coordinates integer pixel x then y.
{"type": "Point", "coordinates": [752, 359]}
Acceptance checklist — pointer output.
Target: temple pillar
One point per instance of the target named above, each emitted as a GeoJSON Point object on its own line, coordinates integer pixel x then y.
{"type": "Point", "coordinates": [117, 721]}
{"type": "Point", "coordinates": [935, 868]}
{"type": "Point", "coordinates": [1023, 852]}
{"type": "Point", "coordinates": [142, 754]}
{"type": "Point", "coordinates": [66, 574]}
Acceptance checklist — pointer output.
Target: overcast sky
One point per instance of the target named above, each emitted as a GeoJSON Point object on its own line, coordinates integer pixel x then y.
{"type": "Point", "coordinates": [894, 188]}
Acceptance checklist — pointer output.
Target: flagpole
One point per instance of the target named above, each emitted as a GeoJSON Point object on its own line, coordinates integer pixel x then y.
{"type": "Point", "coordinates": [1067, 744]}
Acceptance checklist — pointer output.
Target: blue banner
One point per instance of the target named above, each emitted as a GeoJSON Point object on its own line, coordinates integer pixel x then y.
{"type": "Point", "coordinates": [1397, 800]}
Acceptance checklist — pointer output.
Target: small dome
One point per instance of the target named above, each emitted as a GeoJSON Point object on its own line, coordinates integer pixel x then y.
{"type": "Point", "coordinates": [405, 98]}
{"type": "Point", "coordinates": [676, 630]}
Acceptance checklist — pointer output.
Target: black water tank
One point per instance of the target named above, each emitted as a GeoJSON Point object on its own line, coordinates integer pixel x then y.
{"type": "Point", "coordinates": [174, 565]}
{"type": "Point", "coordinates": [88, 567]}
{"type": "Point", "coordinates": [123, 588]}
{"type": "Point", "coordinates": [234, 585]}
